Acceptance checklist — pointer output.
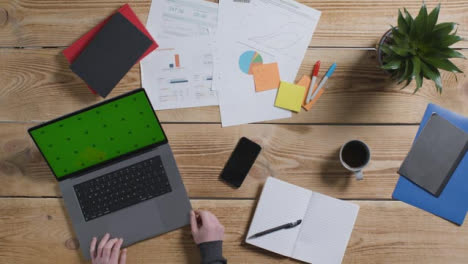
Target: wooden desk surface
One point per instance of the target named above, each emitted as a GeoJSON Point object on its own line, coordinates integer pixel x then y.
{"type": "Point", "coordinates": [360, 102]}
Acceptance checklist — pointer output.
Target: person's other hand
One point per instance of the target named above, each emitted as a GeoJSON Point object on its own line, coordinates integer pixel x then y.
{"type": "Point", "coordinates": [205, 227]}
{"type": "Point", "coordinates": [108, 251]}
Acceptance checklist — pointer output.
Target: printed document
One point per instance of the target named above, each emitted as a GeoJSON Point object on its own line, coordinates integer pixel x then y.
{"type": "Point", "coordinates": [255, 32]}
{"type": "Point", "coordinates": [179, 73]}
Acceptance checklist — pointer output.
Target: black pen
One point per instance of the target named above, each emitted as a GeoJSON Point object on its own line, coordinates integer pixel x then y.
{"type": "Point", "coordinates": [274, 229]}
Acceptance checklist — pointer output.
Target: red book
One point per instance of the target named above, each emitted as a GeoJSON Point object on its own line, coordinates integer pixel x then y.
{"type": "Point", "coordinates": [72, 52]}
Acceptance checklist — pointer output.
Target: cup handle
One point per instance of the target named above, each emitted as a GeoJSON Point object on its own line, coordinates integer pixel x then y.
{"type": "Point", "coordinates": [359, 175]}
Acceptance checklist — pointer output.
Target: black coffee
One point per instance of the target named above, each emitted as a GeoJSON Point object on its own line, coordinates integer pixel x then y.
{"type": "Point", "coordinates": [355, 154]}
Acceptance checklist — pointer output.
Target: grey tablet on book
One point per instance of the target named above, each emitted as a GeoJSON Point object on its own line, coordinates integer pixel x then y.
{"type": "Point", "coordinates": [110, 54]}
{"type": "Point", "coordinates": [435, 155]}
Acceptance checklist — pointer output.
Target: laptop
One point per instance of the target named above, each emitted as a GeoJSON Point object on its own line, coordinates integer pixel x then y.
{"type": "Point", "coordinates": [116, 170]}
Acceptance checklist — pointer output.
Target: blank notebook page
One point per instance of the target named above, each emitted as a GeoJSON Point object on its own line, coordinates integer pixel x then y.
{"type": "Point", "coordinates": [280, 203]}
{"type": "Point", "coordinates": [325, 231]}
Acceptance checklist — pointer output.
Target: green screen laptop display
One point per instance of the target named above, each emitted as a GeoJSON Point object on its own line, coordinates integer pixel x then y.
{"type": "Point", "coordinates": [99, 134]}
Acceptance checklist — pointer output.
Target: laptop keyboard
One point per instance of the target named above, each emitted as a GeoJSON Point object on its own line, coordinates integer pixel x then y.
{"type": "Point", "coordinates": [122, 188]}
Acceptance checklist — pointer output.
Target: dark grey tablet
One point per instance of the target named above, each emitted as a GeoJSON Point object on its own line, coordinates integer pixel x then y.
{"type": "Point", "coordinates": [110, 54]}
{"type": "Point", "coordinates": [435, 155]}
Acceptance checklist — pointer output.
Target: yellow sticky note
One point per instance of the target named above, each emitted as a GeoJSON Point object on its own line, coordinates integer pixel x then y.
{"type": "Point", "coordinates": [266, 76]}
{"type": "Point", "coordinates": [290, 96]}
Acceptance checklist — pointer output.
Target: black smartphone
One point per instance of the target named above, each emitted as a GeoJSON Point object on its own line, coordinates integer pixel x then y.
{"type": "Point", "coordinates": [240, 162]}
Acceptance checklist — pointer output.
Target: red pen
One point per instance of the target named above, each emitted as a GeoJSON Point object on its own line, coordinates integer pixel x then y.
{"type": "Point", "coordinates": [314, 79]}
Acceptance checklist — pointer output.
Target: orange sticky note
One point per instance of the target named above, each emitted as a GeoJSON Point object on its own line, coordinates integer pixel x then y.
{"type": "Point", "coordinates": [266, 76]}
{"type": "Point", "coordinates": [305, 82]}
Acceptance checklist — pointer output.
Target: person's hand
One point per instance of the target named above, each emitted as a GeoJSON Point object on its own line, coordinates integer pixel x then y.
{"type": "Point", "coordinates": [108, 251]}
{"type": "Point", "coordinates": [205, 227]}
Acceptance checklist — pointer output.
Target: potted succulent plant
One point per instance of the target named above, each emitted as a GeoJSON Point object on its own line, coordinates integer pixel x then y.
{"type": "Point", "coordinates": [417, 48]}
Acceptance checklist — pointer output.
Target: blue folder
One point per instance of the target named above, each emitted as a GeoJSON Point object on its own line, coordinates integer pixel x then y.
{"type": "Point", "coordinates": [452, 204]}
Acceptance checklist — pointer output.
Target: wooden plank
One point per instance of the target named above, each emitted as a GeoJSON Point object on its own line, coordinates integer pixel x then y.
{"type": "Point", "coordinates": [304, 155]}
{"type": "Point", "coordinates": [38, 231]}
{"type": "Point", "coordinates": [36, 84]}
{"type": "Point", "coordinates": [346, 23]}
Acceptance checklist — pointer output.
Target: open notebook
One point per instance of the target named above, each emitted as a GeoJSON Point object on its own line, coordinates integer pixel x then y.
{"type": "Point", "coordinates": [326, 226]}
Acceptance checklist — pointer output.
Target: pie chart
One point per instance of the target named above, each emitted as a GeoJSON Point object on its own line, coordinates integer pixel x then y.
{"type": "Point", "coordinates": [247, 59]}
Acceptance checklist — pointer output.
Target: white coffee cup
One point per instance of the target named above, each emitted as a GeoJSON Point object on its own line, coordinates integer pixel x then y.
{"type": "Point", "coordinates": [355, 156]}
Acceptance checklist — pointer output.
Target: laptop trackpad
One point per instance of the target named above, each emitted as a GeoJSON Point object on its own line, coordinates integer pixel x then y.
{"type": "Point", "coordinates": [136, 223]}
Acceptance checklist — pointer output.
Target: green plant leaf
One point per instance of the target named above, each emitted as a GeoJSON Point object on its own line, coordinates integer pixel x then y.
{"type": "Point", "coordinates": [449, 41]}
{"type": "Point", "coordinates": [406, 84]}
{"type": "Point", "coordinates": [399, 38]}
{"type": "Point", "coordinates": [443, 29]}
{"type": "Point", "coordinates": [402, 25]}
{"type": "Point", "coordinates": [425, 47]}
{"type": "Point", "coordinates": [418, 29]}
{"type": "Point", "coordinates": [387, 59]}
{"type": "Point", "coordinates": [419, 82]}
{"type": "Point", "coordinates": [442, 63]}
{"type": "Point", "coordinates": [392, 58]}
{"type": "Point", "coordinates": [450, 53]}
{"type": "Point", "coordinates": [408, 18]}
{"type": "Point", "coordinates": [401, 76]}
{"type": "Point", "coordinates": [440, 52]}
{"type": "Point", "coordinates": [392, 65]}
{"type": "Point", "coordinates": [432, 18]}
{"type": "Point", "coordinates": [417, 72]}
{"type": "Point", "coordinates": [432, 74]}
{"type": "Point", "coordinates": [386, 50]}
{"type": "Point", "coordinates": [399, 72]}
{"type": "Point", "coordinates": [407, 72]}
{"type": "Point", "coordinates": [401, 50]}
